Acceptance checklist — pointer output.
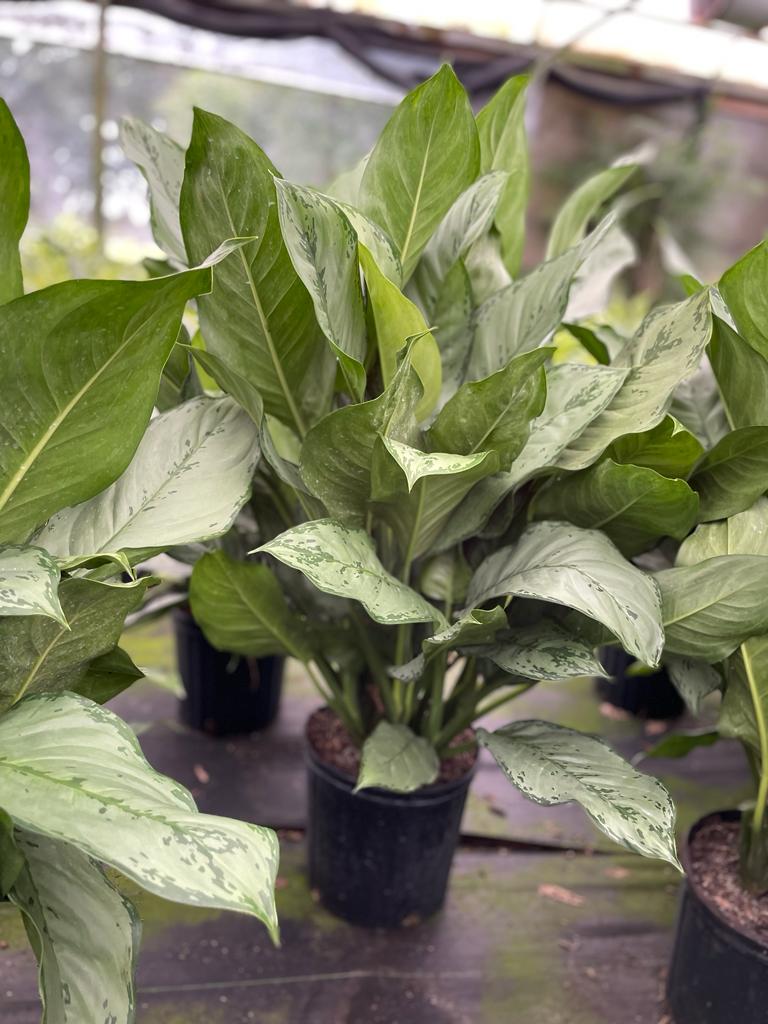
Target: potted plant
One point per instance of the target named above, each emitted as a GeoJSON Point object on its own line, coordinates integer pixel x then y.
{"type": "Point", "coordinates": [715, 609]}
{"type": "Point", "coordinates": [89, 487]}
{"type": "Point", "coordinates": [442, 509]}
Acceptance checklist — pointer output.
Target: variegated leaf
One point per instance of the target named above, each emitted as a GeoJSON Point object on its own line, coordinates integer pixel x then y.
{"type": "Point", "coordinates": [73, 771]}
{"type": "Point", "coordinates": [29, 580]}
{"type": "Point", "coordinates": [551, 764]}
{"type": "Point", "coordinates": [342, 560]}
{"type": "Point", "coordinates": [394, 757]}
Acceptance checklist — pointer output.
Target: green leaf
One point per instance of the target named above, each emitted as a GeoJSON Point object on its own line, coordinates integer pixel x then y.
{"type": "Point", "coordinates": [189, 478]}
{"type": "Point", "coordinates": [108, 675]}
{"type": "Point", "coordinates": [67, 353]}
{"type": "Point", "coordinates": [322, 245]}
{"type": "Point", "coordinates": [551, 764]}
{"type": "Point", "coordinates": [523, 315]}
{"type": "Point", "coordinates": [494, 414]}
{"type": "Point", "coordinates": [341, 560]}
{"type": "Point", "coordinates": [746, 533]}
{"type": "Point", "coordinates": [416, 492]}
{"type": "Point", "coordinates": [259, 318]}
{"type": "Point", "coordinates": [86, 933]}
{"type": "Point", "coordinates": [396, 320]}
{"type": "Point", "coordinates": [632, 505]}
{"type": "Point", "coordinates": [396, 758]}
{"type": "Point", "coordinates": [337, 453]}
{"type": "Point", "coordinates": [39, 654]}
{"type": "Point", "coordinates": [742, 376]}
{"type": "Point", "coordinates": [229, 380]}
{"type": "Point", "coordinates": [446, 577]}
{"type": "Point", "coordinates": [468, 220]}
{"type": "Point", "coordinates": [426, 156]}
{"type": "Point", "coordinates": [73, 771]}
{"type": "Point", "coordinates": [29, 580]}
{"type": "Point", "coordinates": [679, 744]}
{"type": "Point", "coordinates": [240, 607]}
{"type": "Point", "coordinates": [668, 448]}
{"type": "Point", "coordinates": [573, 217]}
{"type": "Point", "coordinates": [14, 204]}
{"type": "Point", "coordinates": [503, 146]}
{"type": "Point", "coordinates": [580, 569]}
{"type": "Point", "coordinates": [666, 349]}
{"type": "Point", "coordinates": [11, 859]}
{"type": "Point", "coordinates": [733, 474]}
{"type": "Point", "coordinates": [712, 607]}
{"type": "Point", "coordinates": [543, 651]}
{"type": "Point", "coordinates": [161, 161]}
{"type": "Point", "coordinates": [693, 679]}
{"type": "Point", "coordinates": [743, 288]}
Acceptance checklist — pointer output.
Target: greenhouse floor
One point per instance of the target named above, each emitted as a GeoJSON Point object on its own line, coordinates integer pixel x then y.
{"type": "Point", "coordinates": [543, 925]}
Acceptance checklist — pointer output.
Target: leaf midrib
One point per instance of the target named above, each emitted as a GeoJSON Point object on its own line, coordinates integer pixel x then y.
{"type": "Point", "coordinates": [266, 330]}
{"type": "Point", "coordinates": [417, 197]}
{"type": "Point", "coordinates": [37, 449]}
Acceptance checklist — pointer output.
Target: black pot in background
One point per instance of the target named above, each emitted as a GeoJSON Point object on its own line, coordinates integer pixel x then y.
{"type": "Point", "coordinates": [378, 858]}
{"type": "Point", "coordinates": [644, 696]}
{"type": "Point", "coordinates": [717, 975]}
{"type": "Point", "coordinates": [225, 694]}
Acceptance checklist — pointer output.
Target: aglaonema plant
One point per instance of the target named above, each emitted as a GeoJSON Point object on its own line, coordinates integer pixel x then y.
{"type": "Point", "coordinates": [441, 510]}
{"type": "Point", "coordinates": [714, 594]}
{"type": "Point", "coordinates": [89, 486]}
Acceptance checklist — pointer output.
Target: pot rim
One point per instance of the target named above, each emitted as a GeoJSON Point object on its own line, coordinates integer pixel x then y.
{"type": "Point", "coordinates": [433, 793]}
{"type": "Point", "coordinates": [754, 946]}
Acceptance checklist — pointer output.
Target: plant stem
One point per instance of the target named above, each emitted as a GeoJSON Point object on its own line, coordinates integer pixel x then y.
{"type": "Point", "coordinates": [376, 663]}
{"type": "Point", "coordinates": [761, 725]}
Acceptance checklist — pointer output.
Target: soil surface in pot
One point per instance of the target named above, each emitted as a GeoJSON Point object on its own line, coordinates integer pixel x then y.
{"type": "Point", "coordinates": [714, 859]}
{"type": "Point", "coordinates": [333, 745]}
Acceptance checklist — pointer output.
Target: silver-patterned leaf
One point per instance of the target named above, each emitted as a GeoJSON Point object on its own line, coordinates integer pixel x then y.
{"type": "Point", "coordinates": [322, 245]}
{"type": "Point", "coordinates": [543, 651]}
{"type": "Point", "coordinates": [394, 757]}
{"type": "Point", "coordinates": [580, 569]}
{"type": "Point", "coordinates": [523, 315]}
{"type": "Point", "coordinates": [73, 771]}
{"type": "Point", "coordinates": [161, 160]}
{"type": "Point", "coordinates": [465, 223]}
{"type": "Point", "coordinates": [189, 478]}
{"type": "Point", "coordinates": [666, 349]}
{"type": "Point", "coordinates": [551, 764]}
{"type": "Point", "coordinates": [88, 933]}
{"type": "Point", "coordinates": [342, 560]}
{"type": "Point", "coordinates": [29, 580]}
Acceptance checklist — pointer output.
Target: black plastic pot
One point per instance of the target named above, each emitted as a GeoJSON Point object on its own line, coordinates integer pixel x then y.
{"type": "Point", "coordinates": [646, 696]}
{"type": "Point", "coordinates": [377, 858]}
{"type": "Point", "coordinates": [717, 975]}
{"type": "Point", "coordinates": [225, 693]}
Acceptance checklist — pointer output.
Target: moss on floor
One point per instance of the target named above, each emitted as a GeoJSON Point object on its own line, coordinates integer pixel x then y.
{"type": "Point", "coordinates": [531, 937]}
